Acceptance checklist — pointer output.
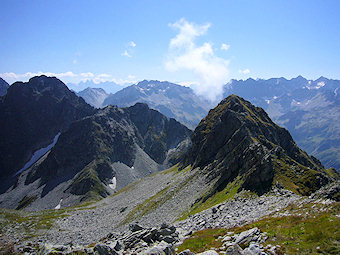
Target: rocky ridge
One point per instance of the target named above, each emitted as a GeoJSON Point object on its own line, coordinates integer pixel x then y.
{"type": "Point", "coordinates": [238, 143]}
{"type": "Point", "coordinates": [309, 109]}
{"type": "Point", "coordinates": [97, 156]}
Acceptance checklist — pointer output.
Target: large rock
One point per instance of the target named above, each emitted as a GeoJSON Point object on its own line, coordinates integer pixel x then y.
{"type": "Point", "coordinates": [161, 248]}
{"type": "Point", "coordinates": [103, 249]}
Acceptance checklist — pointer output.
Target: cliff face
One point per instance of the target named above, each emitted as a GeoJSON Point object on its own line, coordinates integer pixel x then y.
{"type": "Point", "coordinates": [238, 140]}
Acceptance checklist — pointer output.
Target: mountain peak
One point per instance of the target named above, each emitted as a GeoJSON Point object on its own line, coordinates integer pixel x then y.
{"type": "Point", "coordinates": [237, 140]}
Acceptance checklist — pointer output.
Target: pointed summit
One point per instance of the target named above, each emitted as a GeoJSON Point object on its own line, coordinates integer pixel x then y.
{"type": "Point", "coordinates": [238, 141]}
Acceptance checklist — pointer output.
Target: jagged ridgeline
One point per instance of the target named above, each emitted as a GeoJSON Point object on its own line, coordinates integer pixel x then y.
{"type": "Point", "coordinates": [238, 143]}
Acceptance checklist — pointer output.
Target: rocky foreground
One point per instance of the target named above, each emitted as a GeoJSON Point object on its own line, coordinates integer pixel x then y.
{"type": "Point", "coordinates": [165, 239]}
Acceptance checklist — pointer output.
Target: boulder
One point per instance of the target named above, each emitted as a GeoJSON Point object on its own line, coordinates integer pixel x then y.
{"type": "Point", "coordinates": [246, 237]}
{"type": "Point", "coordinates": [186, 252]}
{"type": "Point", "coordinates": [103, 249]}
{"type": "Point", "coordinates": [135, 227]}
{"type": "Point", "coordinates": [161, 248]}
{"type": "Point", "coordinates": [210, 252]}
{"type": "Point", "coordinates": [253, 249]}
{"type": "Point", "coordinates": [235, 249]}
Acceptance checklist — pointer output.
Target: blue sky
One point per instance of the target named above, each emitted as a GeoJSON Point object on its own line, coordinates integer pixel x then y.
{"type": "Point", "coordinates": [127, 41]}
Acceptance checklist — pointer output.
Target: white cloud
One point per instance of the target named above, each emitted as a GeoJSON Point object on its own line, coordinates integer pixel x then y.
{"type": "Point", "coordinates": [69, 77]}
{"type": "Point", "coordinates": [245, 71]}
{"type": "Point", "coordinates": [75, 61]}
{"type": "Point", "coordinates": [87, 75]}
{"type": "Point", "coordinates": [211, 71]}
{"type": "Point", "coordinates": [126, 54]}
{"type": "Point", "coordinates": [132, 44]}
{"type": "Point", "coordinates": [225, 46]}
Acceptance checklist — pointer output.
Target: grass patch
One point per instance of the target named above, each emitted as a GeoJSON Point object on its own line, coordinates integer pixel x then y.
{"type": "Point", "coordinates": [28, 225]}
{"type": "Point", "coordinates": [202, 240]}
{"type": "Point", "coordinates": [313, 229]}
{"type": "Point", "coordinates": [296, 177]}
{"type": "Point", "coordinates": [26, 201]}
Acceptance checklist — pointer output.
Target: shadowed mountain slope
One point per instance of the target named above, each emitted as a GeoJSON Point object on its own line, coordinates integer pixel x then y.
{"type": "Point", "coordinates": [98, 155]}
{"type": "Point", "coordinates": [31, 115]}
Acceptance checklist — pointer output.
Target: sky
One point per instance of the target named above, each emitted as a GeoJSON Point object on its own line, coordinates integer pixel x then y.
{"type": "Point", "coordinates": [199, 43]}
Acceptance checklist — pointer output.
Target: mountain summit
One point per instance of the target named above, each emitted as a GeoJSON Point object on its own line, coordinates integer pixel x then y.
{"type": "Point", "coordinates": [238, 141]}
{"type": "Point", "coordinates": [31, 116]}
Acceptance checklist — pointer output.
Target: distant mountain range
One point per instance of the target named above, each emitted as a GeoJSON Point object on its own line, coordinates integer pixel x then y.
{"type": "Point", "coordinates": [310, 110]}
{"type": "Point", "coordinates": [108, 86]}
{"type": "Point", "coordinates": [94, 96]}
{"type": "Point", "coordinates": [172, 100]}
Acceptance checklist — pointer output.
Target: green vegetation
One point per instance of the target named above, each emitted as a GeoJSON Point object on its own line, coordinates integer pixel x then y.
{"type": "Point", "coordinates": [311, 229]}
{"type": "Point", "coordinates": [227, 193]}
{"type": "Point", "coordinates": [26, 201]}
{"type": "Point", "coordinates": [203, 240]}
{"type": "Point", "coordinates": [29, 225]}
{"type": "Point", "coordinates": [295, 177]}
{"type": "Point", "coordinates": [88, 183]}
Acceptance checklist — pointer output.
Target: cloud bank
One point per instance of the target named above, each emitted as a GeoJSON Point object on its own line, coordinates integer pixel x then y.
{"type": "Point", "coordinates": [211, 71]}
{"type": "Point", "coordinates": [68, 77]}
{"type": "Point", "coordinates": [245, 71]}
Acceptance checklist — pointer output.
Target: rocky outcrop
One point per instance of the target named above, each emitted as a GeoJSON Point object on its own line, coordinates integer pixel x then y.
{"type": "Point", "coordinates": [238, 140]}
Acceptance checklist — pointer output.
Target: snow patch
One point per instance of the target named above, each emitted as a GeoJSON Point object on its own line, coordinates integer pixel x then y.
{"type": "Point", "coordinates": [267, 101]}
{"type": "Point", "coordinates": [294, 103]}
{"type": "Point", "coordinates": [113, 183]}
{"type": "Point", "coordinates": [336, 91]}
{"type": "Point", "coordinates": [320, 84]}
{"type": "Point", "coordinates": [58, 205]}
{"type": "Point", "coordinates": [38, 154]}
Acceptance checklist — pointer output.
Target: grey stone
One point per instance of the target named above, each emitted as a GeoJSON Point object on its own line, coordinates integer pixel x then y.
{"type": "Point", "coordinates": [253, 249]}
{"type": "Point", "coordinates": [235, 249]}
{"type": "Point", "coordinates": [210, 252]}
{"type": "Point", "coordinates": [166, 231]}
{"type": "Point", "coordinates": [186, 252]}
{"type": "Point", "coordinates": [161, 248]}
{"type": "Point", "coordinates": [135, 227]}
{"type": "Point", "coordinates": [169, 239]}
{"type": "Point", "coordinates": [247, 236]}
{"type": "Point", "coordinates": [103, 249]}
